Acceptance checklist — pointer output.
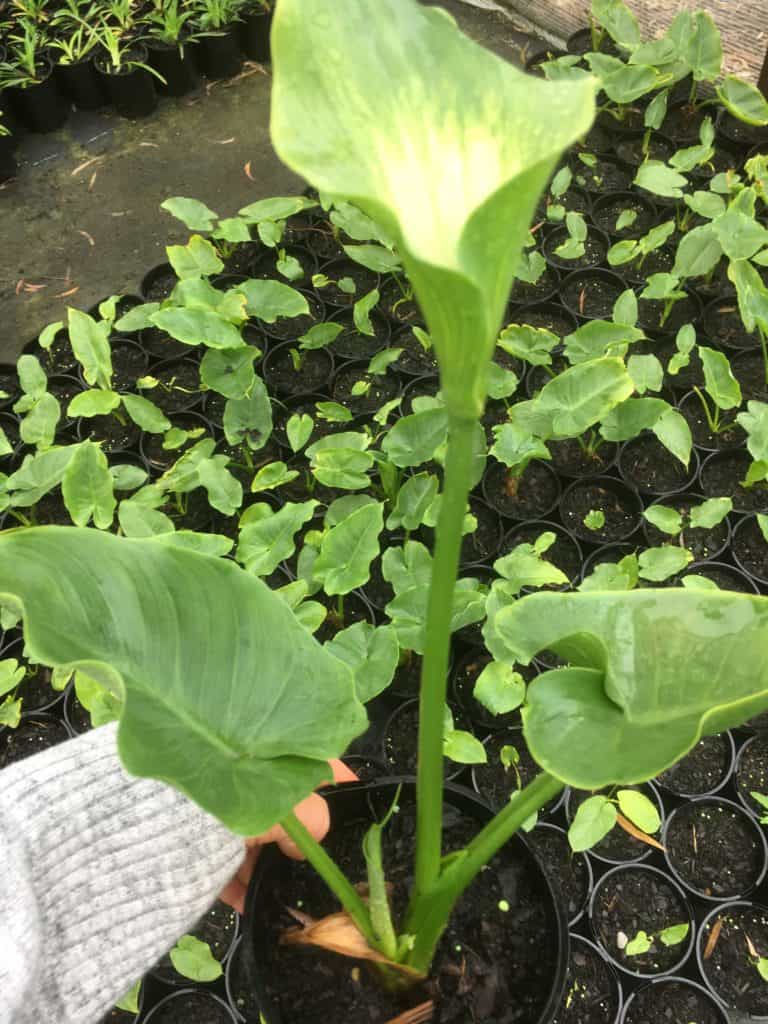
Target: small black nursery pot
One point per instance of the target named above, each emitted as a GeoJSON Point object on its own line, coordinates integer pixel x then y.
{"type": "Point", "coordinates": [703, 543]}
{"type": "Point", "coordinates": [751, 774]}
{"type": "Point", "coordinates": [8, 165]}
{"type": "Point", "coordinates": [218, 928]}
{"type": "Point", "coordinates": [191, 1004]}
{"type": "Point", "coordinates": [533, 494]}
{"type": "Point", "coordinates": [131, 89]}
{"type": "Point", "coordinates": [35, 688]}
{"type": "Point", "coordinates": [542, 291]}
{"type": "Point", "coordinates": [288, 379]}
{"type": "Point", "coordinates": [399, 745]}
{"type": "Point", "coordinates": [81, 83]}
{"type": "Point", "coordinates": [177, 65]}
{"type": "Point", "coordinates": [41, 106]}
{"type": "Point", "coordinates": [565, 552]}
{"type": "Point", "coordinates": [593, 993]}
{"type": "Point", "coordinates": [706, 440]}
{"type": "Point", "coordinates": [606, 175]}
{"type": "Point", "coordinates": [704, 770]}
{"type": "Point", "coordinates": [220, 55]}
{"type": "Point", "coordinates": [749, 550]}
{"type": "Point", "coordinates": [728, 963]}
{"type": "Point", "coordinates": [497, 780]}
{"type": "Point", "coordinates": [75, 715]}
{"type": "Point", "coordinates": [254, 35]}
{"type": "Point", "coordinates": [715, 849]}
{"type": "Point", "coordinates": [724, 327]}
{"type": "Point", "coordinates": [618, 507]}
{"type": "Point", "coordinates": [158, 283]}
{"type": "Point", "coordinates": [608, 210]}
{"type": "Point", "coordinates": [630, 149]}
{"type": "Point", "coordinates": [549, 315]}
{"type": "Point", "coordinates": [618, 846]}
{"type": "Point", "coordinates": [670, 999]}
{"type": "Point", "coordinates": [596, 247]}
{"type": "Point", "coordinates": [591, 294]}
{"type": "Point", "coordinates": [343, 268]}
{"type": "Point", "coordinates": [645, 464]}
{"type": "Point", "coordinates": [636, 899]}
{"type": "Point", "coordinates": [463, 679]}
{"type": "Point", "coordinates": [571, 873]}
{"type": "Point", "coordinates": [724, 576]}
{"type": "Point", "coordinates": [721, 475]}
{"type": "Point", "coordinates": [531, 959]}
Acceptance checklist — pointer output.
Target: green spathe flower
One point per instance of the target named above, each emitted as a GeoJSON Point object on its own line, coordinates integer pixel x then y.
{"type": "Point", "coordinates": [390, 106]}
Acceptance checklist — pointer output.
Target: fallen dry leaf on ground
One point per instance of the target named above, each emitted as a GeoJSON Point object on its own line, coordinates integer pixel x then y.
{"type": "Point", "coordinates": [247, 170]}
{"type": "Point", "coordinates": [633, 830]}
{"type": "Point", "coordinates": [83, 166]}
{"type": "Point", "coordinates": [65, 295]}
{"type": "Point", "coordinates": [87, 236]}
{"type": "Point", "coordinates": [714, 935]}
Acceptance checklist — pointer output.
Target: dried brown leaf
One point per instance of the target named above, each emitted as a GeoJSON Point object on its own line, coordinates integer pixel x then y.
{"type": "Point", "coordinates": [224, 142]}
{"type": "Point", "coordinates": [339, 934]}
{"type": "Point", "coordinates": [418, 1015]}
{"type": "Point", "coordinates": [247, 170]}
{"type": "Point", "coordinates": [92, 182]}
{"type": "Point", "coordinates": [149, 145]}
{"type": "Point", "coordinates": [88, 237]}
{"type": "Point", "coordinates": [751, 947]}
{"type": "Point", "coordinates": [633, 830]}
{"type": "Point", "coordinates": [66, 294]}
{"type": "Point", "coordinates": [19, 285]}
{"type": "Point", "coordinates": [83, 166]}
{"type": "Point", "coordinates": [34, 287]}
{"type": "Point", "coordinates": [714, 935]}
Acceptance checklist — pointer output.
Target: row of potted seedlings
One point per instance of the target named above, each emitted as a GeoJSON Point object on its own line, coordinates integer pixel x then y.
{"type": "Point", "coordinates": [89, 54]}
{"type": "Point", "coordinates": [272, 396]}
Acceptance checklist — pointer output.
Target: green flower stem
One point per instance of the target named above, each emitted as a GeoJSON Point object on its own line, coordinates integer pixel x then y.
{"type": "Point", "coordinates": [434, 673]}
{"type": "Point", "coordinates": [429, 914]}
{"type": "Point", "coordinates": [332, 876]}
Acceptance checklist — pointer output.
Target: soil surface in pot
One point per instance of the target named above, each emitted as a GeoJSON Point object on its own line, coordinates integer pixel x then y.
{"type": "Point", "coordinates": [650, 467]}
{"type": "Point", "coordinates": [621, 512]}
{"type": "Point", "coordinates": [343, 611]}
{"type": "Point", "coordinates": [731, 967]}
{"type": "Point", "coordinates": [483, 543]}
{"type": "Point", "coordinates": [524, 291]}
{"type": "Point", "coordinates": [551, 318]}
{"type": "Point", "coordinates": [724, 326]}
{"type": "Point", "coordinates": [496, 783]}
{"type": "Point", "coordinates": [752, 772]}
{"type": "Point", "coordinates": [604, 176]}
{"type": "Point", "coordinates": [591, 296]}
{"type": "Point", "coordinates": [569, 457]}
{"type": "Point", "coordinates": [525, 497]}
{"type": "Point", "coordinates": [660, 261]}
{"type": "Point", "coordinates": [35, 689]}
{"type": "Point", "coordinates": [414, 360]}
{"type": "Point", "coordinates": [703, 543]}
{"type": "Point", "coordinates": [491, 964]}
{"type": "Point", "coordinates": [631, 151]}
{"type": "Point", "coordinates": [217, 928]}
{"type": "Point", "coordinates": [290, 328]}
{"type": "Point", "coordinates": [161, 285]}
{"type": "Point", "coordinates": [465, 677]}
{"type": "Point", "coordinates": [381, 388]}
{"type": "Point", "coordinates": [32, 735]}
{"type": "Point", "coordinates": [606, 214]}
{"type": "Point", "coordinates": [564, 552]}
{"type": "Point", "coordinates": [110, 433]}
{"type": "Point", "coordinates": [714, 849]}
{"type": "Point", "coordinates": [618, 845]}
{"type": "Point", "coordinates": [672, 1001]}
{"type": "Point", "coordinates": [594, 253]}
{"type": "Point", "coordinates": [284, 379]}
{"type": "Point", "coordinates": [351, 344]}
{"type": "Point", "coordinates": [345, 270]}
{"type": "Point", "coordinates": [192, 1008]}
{"type": "Point", "coordinates": [749, 371]}
{"type": "Point", "coordinates": [591, 990]}
{"type": "Point", "coordinates": [724, 576]}
{"type": "Point", "coordinates": [750, 549]}
{"type": "Point", "coordinates": [730, 435]}
{"type": "Point", "coordinates": [722, 477]}
{"type": "Point", "coordinates": [633, 900]}
{"type": "Point", "coordinates": [400, 740]}
{"type": "Point", "coordinates": [128, 364]}
{"type": "Point", "coordinates": [650, 314]}
{"type": "Point", "coordinates": [178, 388]}
{"type": "Point", "coordinates": [702, 770]}
{"type": "Point", "coordinates": [568, 871]}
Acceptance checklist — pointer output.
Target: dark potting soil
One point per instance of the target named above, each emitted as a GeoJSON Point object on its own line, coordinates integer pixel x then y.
{"type": "Point", "coordinates": [650, 314]}
{"type": "Point", "coordinates": [660, 261]}
{"type": "Point", "coordinates": [116, 1016]}
{"type": "Point", "coordinates": [730, 435]}
{"type": "Point", "coordinates": [491, 964]}
{"type": "Point", "coordinates": [161, 285]}
{"type": "Point", "coordinates": [646, 464]}
{"type": "Point", "coordinates": [721, 476]}
{"type": "Point", "coordinates": [632, 151]}
{"type": "Point", "coordinates": [35, 689]}
{"type": "Point", "coordinates": [51, 510]}
{"type": "Point", "coordinates": [494, 782]}
{"type": "Point", "coordinates": [703, 543]}
{"type": "Point", "coordinates": [749, 370]}
{"type": "Point", "coordinates": [264, 265]}
{"type": "Point", "coordinates": [365, 281]}
{"type": "Point", "coordinates": [152, 444]}
{"type": "Point", "coordinates": [9, 424]}
{"type": "Point", "coordinates": [396, 303]}
{"type": "Point", "coordinates": [618, 504]}
{"type": "Point", "coordinates": [129, 363]}
{"type": "Point", "coordinates": [400, 747]}
{"type": "Point", "coordinates": [551, 318]}
{"type": "Point", "coordinates": [568, 871]}
{"type": "Point", "coordinates": [303, 406]}
{"type": "Point", "coordinates": [564, 552]}
{"type": "Point", "coordinates": [414, 360]}
{"type": "Point", "coordinates": [78, 718]}
{"type": "Point", "coordinates": [752, 772]}
{"type": "Point", "coordinates": [58, 357]}
{"type": "Point", "coordinates": [715, 849]}
{"type": "Point", "coordinates": [724, 326]}
{"type": "Point", "coordinates": [591, 988]}
{"type": "Point", "coordinates": [605, 176]}
{"type": "Point", "coordinates": [750, 549]}
{"type": "Point", "coordinates": [159, 345]}
{"type": "Point", "coordinates": [591, 296]}
{"type": "Point", "coordinates": [240, 992]}
{"type": "Point", "coordinates": [594, 251]}
{"type": "Point", "coordinates": [702, 770]}
{"type": "Point", "coordinates": [214, 406]}
{"type": "Point", "coordinates": [32, 735]}
{"type": "Point", "coordinates": [683, 122]}
{"type": "Point", "coordinates": [290, 328]}
{"type": "Point", "coordinates": [405, 682]}
{"type": "Point", "coordinates": [632, 900]}
{"type": "Point", "coordinates": [731, 967]}
{"type": "Point", "coordinates": [110, 433]}
{"type": "Point", "coordinates": [382, 387]}
{"type": "Point", "coordinates": [606, 214]}
{"type": "Point", "coordinates": [618, 845]}
{"type": "Point", "coordinates": [217, 928]}
{"type": "Point", "coordinates": [342, 612]}
{"type": "Point", "coordinates": [377, 590]}
{"type": "Point", "coordinates": [9, 383]}
{"type": "Point", "coordinates": [65, 389]}
{"type": "Point", "coordinates": [192, 1008]}
{"type": "Point", "coordinates": [523, 291]}
{"type": "Point", "coordinates": [739, 131]}
{"type": "Point", "coordinates": [465, 677]}
{"type": "Point", "coordinates": [726, 577]}
{"type": "Point", "coordinates": [284, 380]}
{"type": "Point", "coordinates": [570, 458]}
{"type": "Point", "coordinates": [178, 388]}
{"type": "Point", "coordinates": [483, 543]}
{"type": "Point", "coordinates": [673, 1002]}
{"type": "Point", "coordinates": [351, 344]}
{"type": "Point", "coordinates": [525, 497]}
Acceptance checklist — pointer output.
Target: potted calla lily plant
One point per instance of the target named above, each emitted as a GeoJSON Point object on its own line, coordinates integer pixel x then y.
{"type": "Point", "coordinates": [227, 696]}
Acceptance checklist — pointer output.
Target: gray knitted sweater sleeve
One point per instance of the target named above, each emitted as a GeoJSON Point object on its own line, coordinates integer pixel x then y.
{"type": "Point", "coordinates": [100, 874]}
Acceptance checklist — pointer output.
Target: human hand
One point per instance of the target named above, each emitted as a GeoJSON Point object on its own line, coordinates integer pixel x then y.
{"type": "Point", "coordinates": [312, 812]}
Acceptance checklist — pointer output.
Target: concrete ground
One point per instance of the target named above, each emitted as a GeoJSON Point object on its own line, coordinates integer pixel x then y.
{"type": "Point", "coordinates": [82, 220]}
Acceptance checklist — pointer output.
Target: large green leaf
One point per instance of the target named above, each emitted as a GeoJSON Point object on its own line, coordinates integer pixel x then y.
{"type": "Point", "coordinates": [227, 696]}
{"type": "Point", "coordinates": [90, 343]}
{"type": "Point", "coordinates": [651, 671]}
{"type": "Point", "coordinates": [390, 106]}
{"type": "Point", "coordinates": [197, 327]}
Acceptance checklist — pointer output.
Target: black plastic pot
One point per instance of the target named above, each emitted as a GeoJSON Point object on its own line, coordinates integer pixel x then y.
{"type": "Point", "coordinates": [596, 248]}
{"type": "Point", "coordinates": [659, 995]}
{"type": "Point", "coordinates": [721, 475]}
{"type": "Point", "coordinates": [207, 1006]}
{"type": "Point", "coordinates": [684, 311]}
{"type": "Point", "coordinates": [158, 283]}
{"type": "Point", "coordinates": [462, 680]}
{"type": "Point", "coordinates": [591, 294]}
{"type": "Point", "coordinates": [533, 64]}
{"type": "Point", "coordinates": [723, 575]}
{"type": "Point", "coordinates": [383, 387]}
{"type": "Point", "coordinates": [750, 843]}
{"type": "Point", "coordinates": [581, 41]}
{"type": "Point", "coordinates": [353, 802]}
{"type": "Point", "coordinates": [738, 133]}
{"type": "Point", "coordinates": [219, 927]}
{"type": "Point", "coordinates": [407, 712]}
{"type": "Point", "coordinates": [609, 206]}
{"type": "Point", "coordinates": [749, 550]}
{"type": "Point", "coordinates": [617, 848]}
{"type": "Point", "coordinates": [692, 409]}
{"type": "Point", "coordinates": [177, 65]}
{"type": "Point", "coordinates": [565, 552]}
{"type": "Point", "coordinates": [77, 718]}
{"type": "Point", "coordinates": [254, 36]}
{"type": "Point", "coordinates": [607, 175]}
{"type": "Point", "coordinates": [549, 315]}
{"type": "Point", "coordinates": [729, 953]}
{"type": "Point", "coordinates": [639, 461]}
{"type": "Point", "coordinates": [533, 495]}
{"type": "Point", "coordinates": [705, 545]}
{"type": "Point", "coordinates": [621, 505]}
{"type": "Point", "coordinates": [694, 775]}
{"type": "Point", "coordinates": [131, 90]}
{"type": "Point", "coordinates": [608, 940]}
{"type": "Point", "coordinates": [151, 445]}
{"type": "Point", "coordinates": [81, 83]}
{"type": "Point", "coordinates": [750, 774]}
{"type": "Point", "coordinates": [286, 382]}
{"type": "Point", "coordinates": [35, 690]}
{"type": "Point", "coordinates": [8, 165]}
{"type": "Point", "coordinates": [593, 990]}
{"type": "Point", "coordinates": [724, 327]}
{"type": "Point", "coordinates": [41, 106]}
{"type": "Point", "coordinates": [628, 147]}
{"type": "Point", "coordinates": [220, 55]}
{"type": "Point", "coordinates": [571, 873]}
